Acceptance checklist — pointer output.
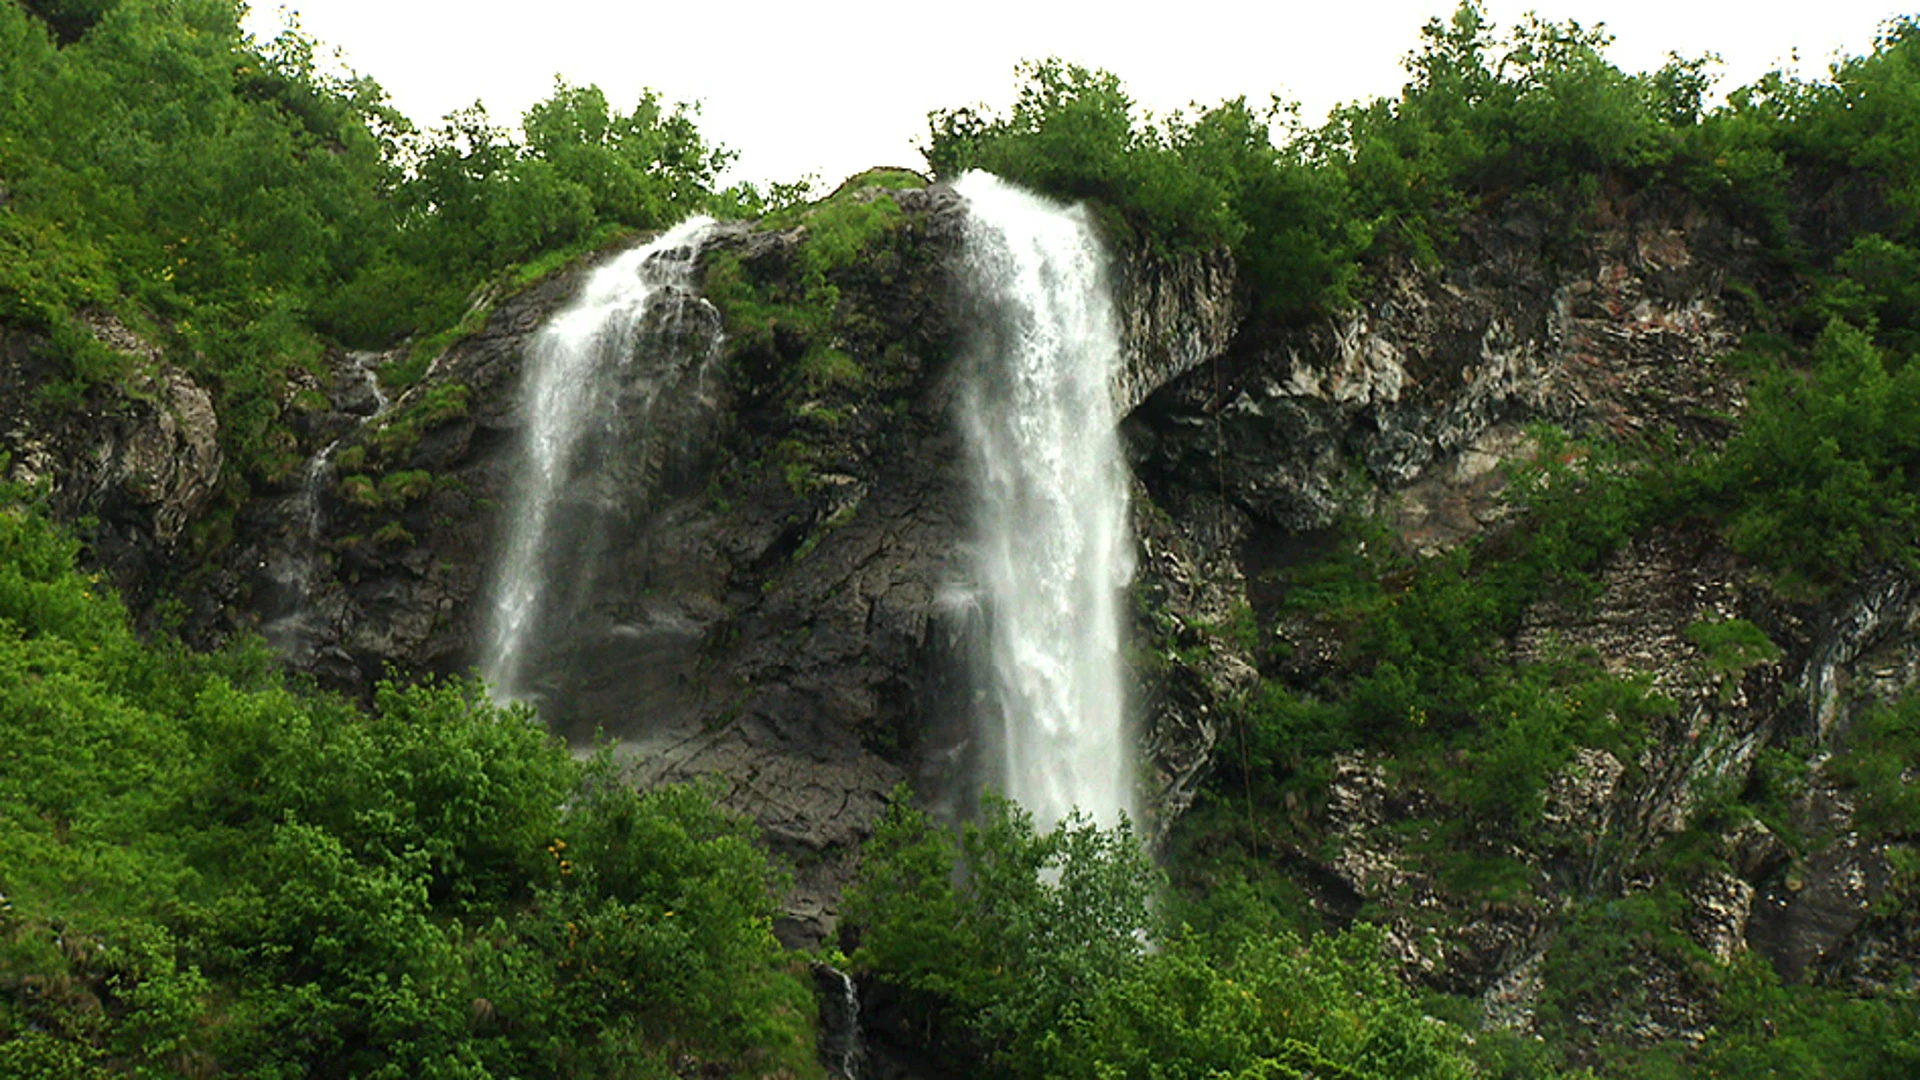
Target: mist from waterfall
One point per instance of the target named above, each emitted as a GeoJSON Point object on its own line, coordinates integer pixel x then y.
{"type": "Point", "coordinates": [594, 371]}
{"type": "Point", "coordinates": [1052, 553]}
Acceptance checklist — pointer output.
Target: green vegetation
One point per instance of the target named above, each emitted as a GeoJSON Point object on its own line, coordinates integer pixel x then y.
{"type": "Point", "coordinates": [794, 341]}
{"type": "Point", "coordinates": [207, 875]}
{"type": "Point", "coordinates": [1427, 685]}
{"type": "Point", "coordinates": [245, 207]}
{"type": "Point", "coordinates": [1535, 117]}
{"type": "Point", "coordinates": [1047, 955]}
{"type": "Point", "coordinates": [1876, 763]}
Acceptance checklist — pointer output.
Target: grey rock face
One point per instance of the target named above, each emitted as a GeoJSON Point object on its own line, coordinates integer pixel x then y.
{"type": "Point", "coordinates": [140, 458]}
{"type": "Point", "coordinates": [1417, 395]}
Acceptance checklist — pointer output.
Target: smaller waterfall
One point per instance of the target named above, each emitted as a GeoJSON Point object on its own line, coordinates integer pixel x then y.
{"type": "Point", "coordinates": [294, 569]}
{"type": "Point", "coordinates": [593, 375]}
{"type": "Point", "coordinates": [843, 1049]}
{"type": "Point", "coordinates": [1054, 552]}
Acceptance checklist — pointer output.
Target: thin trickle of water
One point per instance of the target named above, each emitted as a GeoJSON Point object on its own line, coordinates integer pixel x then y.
{"type": "Point", "coordinates": [1053, 552]}
{"type": "Point", "coordinates": [843, 1048]}
{"type": "Point", "coordinates": [595, 369]}
{"type": "Point", "coordinates": [294, 570]}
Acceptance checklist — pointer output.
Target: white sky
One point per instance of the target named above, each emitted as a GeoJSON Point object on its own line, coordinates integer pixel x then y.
{"type": "Point", "coordinates": [831, 87]}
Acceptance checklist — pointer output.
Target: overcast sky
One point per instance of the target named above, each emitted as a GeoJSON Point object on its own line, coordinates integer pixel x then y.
{"type": "Point", "coordinates": [831, 87]}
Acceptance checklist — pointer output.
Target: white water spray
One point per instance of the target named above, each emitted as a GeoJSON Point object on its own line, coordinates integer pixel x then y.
{"type": "Point", "coordinates": [1053, 548]}
{"type": "Point", "coordinates": [608, 345]}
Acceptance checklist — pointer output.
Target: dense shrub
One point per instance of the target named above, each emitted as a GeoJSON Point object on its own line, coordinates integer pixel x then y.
{"type": "Point", "coordinates": [1044, 954]}
{"type": "Point", "coordinates": [1816, 484]}
{"type": "Point", "coordinates": [205, 873]}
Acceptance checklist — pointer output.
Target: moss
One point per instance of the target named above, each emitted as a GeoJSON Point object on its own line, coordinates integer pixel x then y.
{"type": "Point", "coordinates": [397, 377]}
{"type": "Point", "coordinates": [397, 489]}
{"type": "Point", "coordinates": [892, 179]}
{"type": "Point", "coordinates": [533, 271]}
{"type": "Point", "coordinates": [399, 432]}
{"type": "Point", "coordinates": [839, 230]}
{"type": "Point", "coordinates": [360, 491]}
{"type": "Point", "coordinates": [392, 534]}
{"type": "Point", "coordinates": [310, 400]}
{"type": "Point", "coordinates": [827, 368]}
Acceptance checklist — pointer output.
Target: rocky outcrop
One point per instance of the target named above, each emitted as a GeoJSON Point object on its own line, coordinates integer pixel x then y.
{"type": "Point", "coordinates": [1176, 314]}
{"type": "Point", "coordinates": [1413, 398]}
{"type": "Point", "coordinates": [137, 458]}
{"type": "Point", "coordinates": [1409, 409]}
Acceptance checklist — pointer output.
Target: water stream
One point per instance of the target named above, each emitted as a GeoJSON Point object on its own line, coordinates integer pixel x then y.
{"type": "Point", "coordinates": [1053, 554]}
{"type": "Point", "coordinates": [843, 1049]}
{"type": "Point", "coordinates": [294, 568]}
{"type": "Point", "coordinates": [593, 376]}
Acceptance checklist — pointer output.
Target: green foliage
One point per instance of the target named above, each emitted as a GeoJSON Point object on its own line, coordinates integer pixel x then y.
{"type": "Point", "coordinates": [1612, 951]}
{"type": "Point", "coordinates": [1421, 672]}
{"type": "Point", "coordinates": [1483, 117]}
{"type": "Point", "coordinates": [1179, 186]}
{"type": "Point", "coordinates": [1815, 484]}
{"type": "Point", "coordinates": [208, 874]}
{"type": "Point", "coordinates": [1766, 1029]}
{"type": "Point", "coordinates": [1537, 112]}
{"type": "Point", "coordinates": [1878, 757]}
{"type": "Point", "coordinates": [1730, 646]}
{"type": "Point", "coordinates": [1072, 133]}
{"type": "Point", "coordinates": [160, 165]}
{"type": "Point", "coordinates": [477, 202]}
{"type": "Point", "coordinates": [1030, 951]}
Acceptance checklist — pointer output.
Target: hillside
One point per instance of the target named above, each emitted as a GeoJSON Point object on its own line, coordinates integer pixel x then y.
{"type": "Point", "coordinates": [1521, 625]}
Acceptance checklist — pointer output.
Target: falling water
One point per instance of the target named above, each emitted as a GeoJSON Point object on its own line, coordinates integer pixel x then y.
{"type": "Point", "coordinates": [1053, 550]}
{"type": "Point", "coordinates": [592, 373]}
{"type": "Point", "coordinates": [843, 1049]}
{"type": "Point", "coordinates": [294, 568]}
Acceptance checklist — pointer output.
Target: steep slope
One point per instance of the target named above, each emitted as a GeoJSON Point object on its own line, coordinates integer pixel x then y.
{"type": "Point", "coordinates": [1685, 847]}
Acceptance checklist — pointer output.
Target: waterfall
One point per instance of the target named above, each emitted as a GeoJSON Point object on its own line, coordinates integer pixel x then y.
{"type": "Point", "coordinates": [843, 1049]}
{"type": "Point", "coordinates": [1052, 553]}
{"type": "Point", "coordinates": [593, 376]}
{"type": "Point", "coordinates": [293, 569]}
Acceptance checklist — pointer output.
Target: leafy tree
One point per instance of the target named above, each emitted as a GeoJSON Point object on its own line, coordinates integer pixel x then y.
{"type": "Point", "coordinates": [1043, 955]}
{"type": "Point", "coordinates": [1816, 481]}
{"type": "Point", "coordinates": [215, 875]}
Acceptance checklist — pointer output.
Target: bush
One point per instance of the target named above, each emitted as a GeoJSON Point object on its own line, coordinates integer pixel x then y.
{"type": "Point", "coordinates": [1041, 954]}
{"type": "Point", "coordinates": [207, 873]}
{"type": "Point", "coordinates": [1815, 484]}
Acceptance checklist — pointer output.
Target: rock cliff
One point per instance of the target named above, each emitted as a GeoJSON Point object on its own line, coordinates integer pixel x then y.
{"type": "Point", "coordinates": [138, 463]}
{"type": "Point", "coordinates": [1409, 409]}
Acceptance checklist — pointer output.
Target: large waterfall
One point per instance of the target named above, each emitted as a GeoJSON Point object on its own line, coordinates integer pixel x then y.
{"type": "Point", "coordinates": [594, 378]}
{"type": "Point", "coordinates": [1053, 553]}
